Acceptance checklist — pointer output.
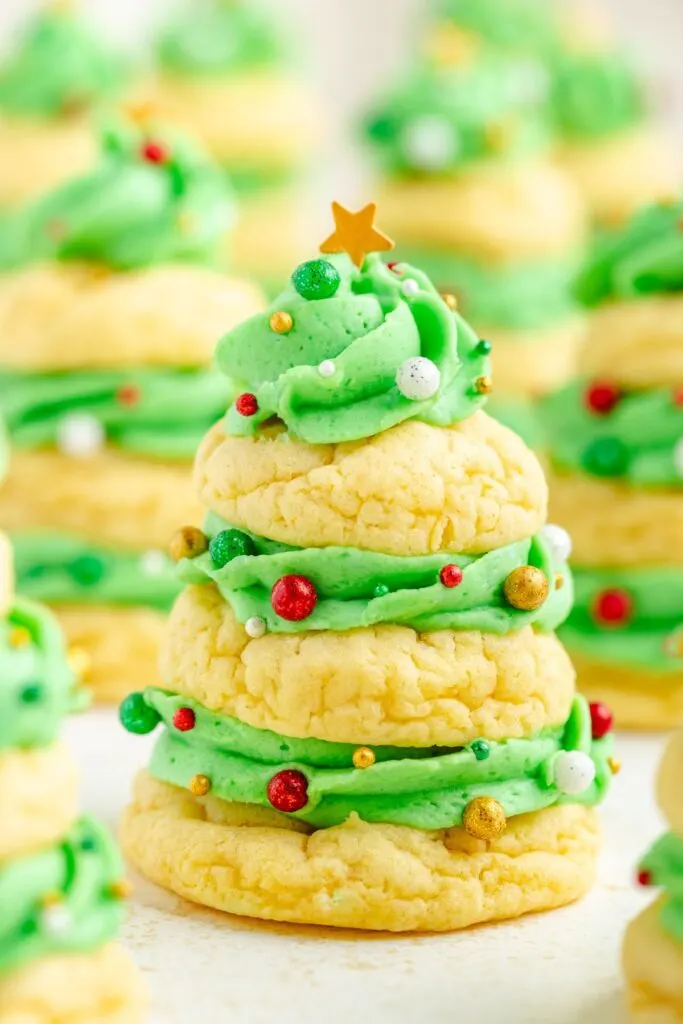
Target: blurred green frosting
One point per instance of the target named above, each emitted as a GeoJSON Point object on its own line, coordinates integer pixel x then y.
{"type": "Point", "coordinates": [664, 864]}
{"type": "Point", "coordinates": [376, 321]}
{"type": "Point", "coordinates": [59, 67]}
{"type": "Point", "coordinates": [512, 26]}
{"type": "Point", "coordinates": [644, 258]}
{"type": "Point", "coordinates": [216, 36]}
{"type": "Point", "coordinates": [595, 94]}
{"type": "Point", "coordinates": [154, 197]}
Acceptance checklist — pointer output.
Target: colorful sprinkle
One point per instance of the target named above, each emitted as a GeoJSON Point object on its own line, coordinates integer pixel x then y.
{"type": "Point", "coordinates": [363, 757]}
{"type": "Point", "coordinates": [288, 791]}
{"type": "Point", "coordinates": [613, 607]}
{"type": "Point", "coordinates": [481, 750]}
{"type": "Point", "coordinates": [602, 397]}
{"type": "Point", "coordinates": [230, 544]}
{"type": "Point", "coordinates": [606, 456]}
{"type": "Point", "coordinates": [136, 715]}
{"type": "Point", "coordinates": [451, 576]}
{"type": "Point", "coordinates": [602, 719]}
{"type": "Point", "coordinates": [246, 405]}
{"type": "Point", "coordinates": [316, 279]}
{"type": "Point", "coordinates": [188, 542]}
{"type": "Point", "coordinates": [293, 598]}
{"type": "Point", "coordinates": [281, 322]}
{"type": "Point", "coordinates": [184, 719]}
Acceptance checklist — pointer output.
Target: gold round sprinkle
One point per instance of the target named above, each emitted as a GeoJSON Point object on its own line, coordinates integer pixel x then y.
{"type": "Point", "coordinates": [188, 542]}
{"type": "Point", "coordinates": [450, 301]}
{"type": "Point", "coordinates": [526, 588]}
{"type": "Point", "coordinates": [281, 322]}
{"type": "Point", "coordinates": [559, 580]}
{"type": "Point", "coordinates": [19, 637]}
{"type": "Point", "coordinates": [80, 661]}
{"type": "Point", "coordinates": [614, 765]}
{"type": "Point", "coordinates": [121, 890]}
{"type": "Point", "coordinates": [484, 818]}
{"type": "Point", "coordinates": [51, 899]}
{"type": "Point", "coordinates": [363, 757]}
{"type": "Point", "coordinates": [483, 385]}
{"type": "Point", "coordinates": [200, 785]}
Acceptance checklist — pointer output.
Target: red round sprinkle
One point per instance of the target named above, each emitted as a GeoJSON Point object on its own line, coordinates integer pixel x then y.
{"type": "Point", "coordinates": [155, 153]}
{"type": "Point", "coordinates": [293, 598]}
{"type": "Point", "coordinates": [393, 266]}
{"type": "Point", "coordinates": [602, 397]}
{"type": "Point", "coordinates": [613, 607]}
{"type": "Point", "coordinates": [451, 575]}
{"type": "Point", "coordinates": [288, 791]}
{"type": "Point", "coordinates": [184, 719]}
{"type": "Point", "coordinates": [246, 405]}
{"type": "Point", "coordinates": [678, 396]}
{"type": "Point", "coordinates": [128, 395]}
{"type": "Point", "coordinates": [644, 878]}
{"type": "Point", "coordinates": [602, 719]}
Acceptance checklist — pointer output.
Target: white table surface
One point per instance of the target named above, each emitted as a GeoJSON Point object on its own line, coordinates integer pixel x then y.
{"type": "Point", "coordinates": [556, 968]}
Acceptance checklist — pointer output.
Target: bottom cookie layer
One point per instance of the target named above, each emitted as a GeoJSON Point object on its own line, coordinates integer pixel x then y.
{"type": "Point", "coordinates": [122, 645]}
{"type": "Point", "coordinates": [653, 964]}
{"type": "Point", "coordinates": [38, 798]}
{"type": "Point", "coordinates": [103, 987]}
{"type": "Point", "coordinates": [259, 863]}
{"type": "Point", "coordinates": [638, 699]}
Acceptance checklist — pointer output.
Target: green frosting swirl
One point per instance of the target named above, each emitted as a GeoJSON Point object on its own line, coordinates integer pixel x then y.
{"type": "Point", "coordinates": [62, 569]}
{"type": "Point", "coordinates": [220, 36]}
{"type": "Point", "coordinates": [58, 68]}
{"type": "Point", "coordinates": [410, 590]}
{"type": "Point", "coordinates": [520, 415]}
{"type": "Point", "coordinates": [368, 329]}
{"type": "Point", "coordinates": [60, 900]}
{"type": "Point", "coordinates": [130, 211]}
{"type": "Point", "coordinates": [644, 639]}
{"type": "Point", "coordinates": [162, 413]}
{"type": "Point", "coordinates": [511, 26]}
{"type": "Point", "coordinates": [644, 258]}
{"type": "Point", "coordinates": [37, 687]}
{"type": "Point", "coordinates": [637, 441]}
{"type": "Point", "coordinates": [443, 119]}
{"type": "Point", "coordinates": [595, 94]}
{"type": "Point", "coordinates": [664, 863]}
{"type": "Point", "coordinates": [426, 788]}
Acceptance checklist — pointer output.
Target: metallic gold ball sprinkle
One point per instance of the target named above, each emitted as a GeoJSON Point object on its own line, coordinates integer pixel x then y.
{"type": "Point", "coordinates": [51, 899]}
{"type": "Point", "coordinates": [483, 385]}
{"type": "Point", "coordinates": [281, 322]}
{"type": "Point", "coordinates": [673, 645]}
{"type": "Point", "coordinates": [559, 580]}
{"type": "Point", "coordinates": [188, 542]}
{"type": "Point", "coordinates": [200, 785]}
{"type": "Point", "coordinates": [484, 818]}
{"type": "Point", "coordinates": [80, 661]}
{"type": "Point", "coordinates": [450, 301]}
{"type": "Point", "coordinates": [526, 588]}
{"type": "Point", "coordinates": [363, 757]}
{"type": "Point", "coordinates": [19, 637]}
{"type": "Point", "coordinates": [121, 890]}
{"type": "Point", "coordinates": [614, 765]}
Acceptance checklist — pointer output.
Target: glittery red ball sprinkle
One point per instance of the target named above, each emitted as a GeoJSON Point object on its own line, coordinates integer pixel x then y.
{"type": "Point", "coordinates": [293, 598]}
{"type": "Point", "coordinates": [602, 720]}
{"type": "Point", "coordinates": [246, 405]}
{"type": "Point", "coordinates": [678, 396]}
{"type": "Point", "coordinates": [644, 878]}
{"type": "Point", "coordinates": [128, 395]}
{"type": "Point", "coordinates": [451, 575]}
{"type": "Point", "coordinates": [155, 153]}
{"type": "Point", "coordinates": [288, 791]}
{"type": "Point", "coordinates": [602, 397]}
{"type": "Point", "coordinates": [613, 607]}
{"type": "Point", "coordinates": [184, 719]}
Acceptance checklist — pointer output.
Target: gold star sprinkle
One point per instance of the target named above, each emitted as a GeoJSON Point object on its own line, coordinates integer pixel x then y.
{"type": "Point", "coordinates": [356, 234]}
{"type": "Point", "coordinates": [19, 637]}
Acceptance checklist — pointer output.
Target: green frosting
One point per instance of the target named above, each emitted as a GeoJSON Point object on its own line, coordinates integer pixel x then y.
{"type": "Point", "coordinates": [365, 333]}
{"type": "Point", "coordinates": [60, 900]}
{"type": "Point", "coordinates": [426, 788]}
{"type": "Point", "coordinates": [595, 94]}
{"type": "Point", "coordinates": [644, 258]}
{"type": "Point", "coordinates": [511, 26]}
{"type": "Point", "coordinates": [442, 119]}
{"type": "Point", "coordinates": [643, 640]}
{"type": "Point", "coordinates": [519, 414]}
{"type": "Point", "coordinates": [637, 441]}
{"type": "Point", "coordinates": [58, 68]}
{"type": "Point", "coordinates": [410, 590]}
{"type": "Point", "coordinates": [153, 198]}
{"type": "Point", "coordinates": [62, 569]}
{"type": "Point", "coordinates": [37, 687]}
{"type": "Point", "coordinates": [664, 864]}
{"type": "Point", "coordinates": [215, 37]}
{"type": "Point", "coordinates": [162, 413]}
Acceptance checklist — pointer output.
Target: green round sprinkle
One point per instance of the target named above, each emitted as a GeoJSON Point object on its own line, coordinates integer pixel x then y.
{"type": "Point", "coordinates": [88, 843]}
{"type": "Point", "coordinates": [606, 456]}
{"type": "Point", "coordinates": [481, 750]}
{"type": "Point", "coordinates": [381, 590]}
{"type": "Point", "coordinates": [31, 693]}
{"type": "Point", "coordinates": [229, 544]}
{"type": "Point", "coordinates": [137, 716]}
{"type": "Point", "coordinates": [316, 279]}
{"type": "Point", "coordinates": [87, 570]}
{"type": "Point", "coordinates": [483, 347]}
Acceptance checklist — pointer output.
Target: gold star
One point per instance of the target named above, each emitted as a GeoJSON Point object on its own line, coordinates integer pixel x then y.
{"type": "Point", "coordinates": [356, 234]}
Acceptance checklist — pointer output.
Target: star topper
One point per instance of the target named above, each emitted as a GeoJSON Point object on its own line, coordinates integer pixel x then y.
{"type": "Point", "coordinates": [356, 234]}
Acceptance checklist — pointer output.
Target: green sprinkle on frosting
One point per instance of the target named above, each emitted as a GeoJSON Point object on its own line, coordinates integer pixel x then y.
{"type": "Point", "coordinates": [664, 864]}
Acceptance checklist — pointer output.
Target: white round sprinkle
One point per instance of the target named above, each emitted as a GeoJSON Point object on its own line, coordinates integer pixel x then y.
{"type": "Point", "coordinates": [56, 919]}
{"type": "Point", "coordinates": [530, 84]}
{"type": "Point", "coordinates": [80, 435]}
{"type": "Point", "coordinates": [678, 457]}
{"type": "Point", "coordinates": [410, 287]}
{"type": "Point", "coordinates": [154, 563]}
{"type": "Point", "coordinates": [418, 378]}
{"type": "Point", "coordinates": [327, 368]}
{"type": "Point", "coordinates": [574, 772]}
{"type": "Point", "coordinates": [558, 540]}
{"type": "Point", "coordinates": [430, 143]}
{"type": "Point", "coordinates": [255, 627]}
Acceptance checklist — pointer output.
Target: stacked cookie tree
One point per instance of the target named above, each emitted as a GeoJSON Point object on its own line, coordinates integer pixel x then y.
{"type": "Point", "coordinates": [653, 950]}
{"type": "Point", "coordinates": [57, 75]}
{"type": "Point", "coordinates": [367, 720]}
{"type": "Point", "coordinates": [470, 190]}
{"type": "Point", "coordinates": [617, 474]}
{"type": "Point", "coordinates": [109, 304]}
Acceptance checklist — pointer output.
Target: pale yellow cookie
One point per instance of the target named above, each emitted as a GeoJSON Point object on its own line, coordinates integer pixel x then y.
{"type": "Point", "coordinates": [534, 363]}
{"type": "Point", "coordinates": [6, 575]}
{"type": "Point", "coordinates": [102, 987]}
{"type": "Point", "coordinates": [498, 213]}
{"type": "Point", "coordinates": [122, 644]}
{"type": "Point", "coordinates": [626, 536]}
{"type": "Point", "coordinates": [109, 498]}
{"type": "Point", "coordinates": [68, 316]}
{"type": "Point", "coordinates": [653, 964]}
{"type": "Point", "coordinates": [356, 875]}
{"type": "Point", "coordinates": [38, 798]}
{"type": "Point", "coordinates": [386, 685]}
{"type": "Point", "coordinates": [44, 154]}
{"type": "Point", "coordinates": [637, 343]}
{"type": "Point", "coordinates": [669, 782]}
{"type": "Point", "coordinates": [639, 699]}
{"type": "Point", "coordinates": [623, 172]}
{"type": "Point", "coordinates": [256, 119]}
{"type": "Point", "coordinates": [412, 490]}
{"type": "Point", "coordinates": [272, 236]}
